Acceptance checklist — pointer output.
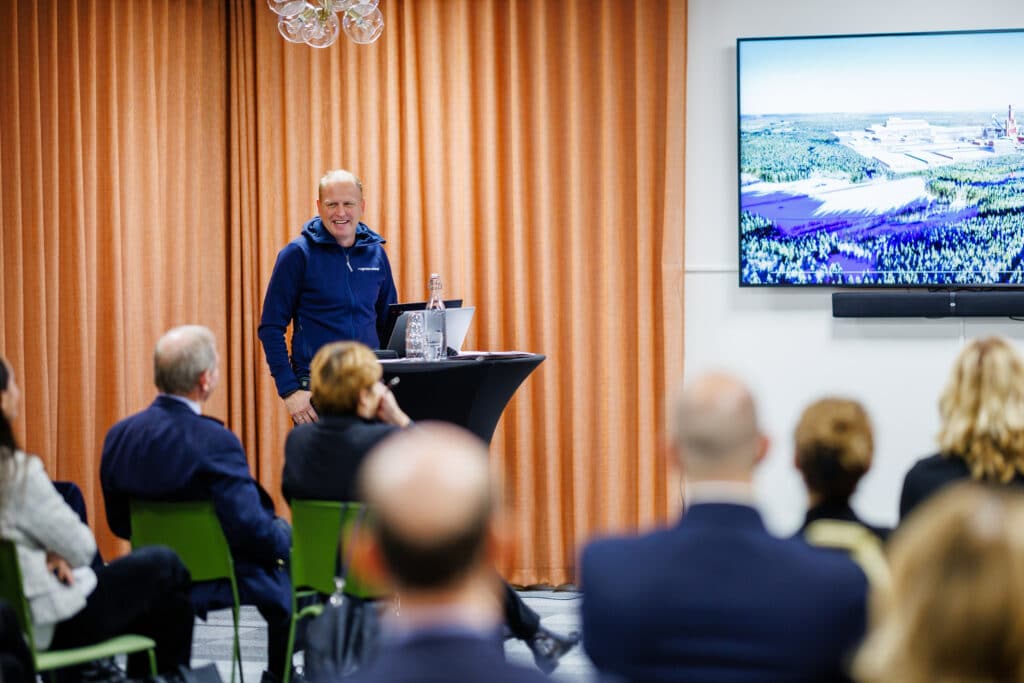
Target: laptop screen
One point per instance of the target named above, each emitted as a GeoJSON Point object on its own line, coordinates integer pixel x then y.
{"type": "Point", "coordinates": [456, 325]}
{"type": "Point", "coordinates": [395, 310]}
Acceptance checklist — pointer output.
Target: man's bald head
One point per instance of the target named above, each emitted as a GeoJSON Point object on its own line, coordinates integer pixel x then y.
{"type": "Point", "coordinates": [715, 426]}
{"type": "Point", "coordinates": [339, 175]}
{"type": "Point", "coordinates": [430, 492]}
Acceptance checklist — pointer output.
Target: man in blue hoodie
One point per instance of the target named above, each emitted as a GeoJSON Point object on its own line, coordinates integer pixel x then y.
{"type": "Point", "coordinates": [333, 282]}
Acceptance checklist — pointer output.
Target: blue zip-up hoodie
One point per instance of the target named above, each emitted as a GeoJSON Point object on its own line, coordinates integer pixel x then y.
{"type": "Point", "coordinates": [330, 292]}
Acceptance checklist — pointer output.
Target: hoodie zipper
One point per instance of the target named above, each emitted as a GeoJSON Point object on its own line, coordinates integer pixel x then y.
{"type": "Point", "coordinates": [347, 263]}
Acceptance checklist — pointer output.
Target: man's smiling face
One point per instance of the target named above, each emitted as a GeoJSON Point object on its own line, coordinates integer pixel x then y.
{"type": "Point", "coordinates": [341, 206]}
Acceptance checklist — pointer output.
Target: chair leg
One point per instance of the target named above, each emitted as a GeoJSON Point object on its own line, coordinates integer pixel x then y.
{"type": "Point", "coordinates": [237, 659]}
{"type": "Point", "coordinates": [152, 661]}
{"type": "Point", "coordinates": [290, 652]}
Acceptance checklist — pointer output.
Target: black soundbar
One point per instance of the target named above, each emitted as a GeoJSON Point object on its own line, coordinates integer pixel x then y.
{"type": "Point", "coordinates": [946, 304]}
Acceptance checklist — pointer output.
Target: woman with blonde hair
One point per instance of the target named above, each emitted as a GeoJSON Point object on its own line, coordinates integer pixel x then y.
{"type": "Point", "coordinates": [355, 411]}
{"type": "Point", "coordinates": [954, 609]}
{"type": "Point", "coordinates": [982, 433]}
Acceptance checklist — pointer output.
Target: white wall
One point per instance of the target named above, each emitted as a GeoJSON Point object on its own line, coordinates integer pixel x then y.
{"type": "Point", "coordinates": [783, 341]}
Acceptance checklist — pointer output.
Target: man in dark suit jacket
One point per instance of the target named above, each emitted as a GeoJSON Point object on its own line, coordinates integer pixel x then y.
{"type": "Point", "coordinates": [717, 598]}
{"type": "Point", "coordinates": [436, 535]}
{"type": "Point", "coordinates": [171, 451]}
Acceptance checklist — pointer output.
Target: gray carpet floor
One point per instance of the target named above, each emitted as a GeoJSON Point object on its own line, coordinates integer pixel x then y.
{"type": "Point", "coordinates": [212, 639]}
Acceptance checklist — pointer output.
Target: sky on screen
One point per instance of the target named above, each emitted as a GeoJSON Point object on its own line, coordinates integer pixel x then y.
{"type": "Point", "coordinates": [882, 74]}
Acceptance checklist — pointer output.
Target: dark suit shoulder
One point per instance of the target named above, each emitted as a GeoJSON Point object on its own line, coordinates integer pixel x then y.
{"type": "Point", "coordinates": [446, 659]}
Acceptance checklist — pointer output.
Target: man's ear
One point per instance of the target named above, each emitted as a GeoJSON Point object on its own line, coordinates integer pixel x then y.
{"type": "Point", "coordinates": [206, 381]}
{"type": "Point", "coordinates": [368, 563]}
{"type": "Point", "coordinates": [763, 444]}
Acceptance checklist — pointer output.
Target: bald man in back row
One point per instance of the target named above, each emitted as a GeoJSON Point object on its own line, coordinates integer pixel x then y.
{"type": "Point", "coordinates": [437, 535]}
{"type": "Point", "coordinates": [716, 598]}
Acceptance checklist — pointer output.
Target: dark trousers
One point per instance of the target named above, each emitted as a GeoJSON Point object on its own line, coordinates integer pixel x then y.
{"type": "Point", "coordinates": [522, 621]}
{"type": "Point", "coordinates": [16, 665]}
{"type": "Point", "coordinates": [146, 593]}
{"type": "Point", "coordinates": [278, 624]}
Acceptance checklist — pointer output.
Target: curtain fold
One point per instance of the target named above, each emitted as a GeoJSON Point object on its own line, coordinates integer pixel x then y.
{"type": "Point", "coordinates": [530, 152]}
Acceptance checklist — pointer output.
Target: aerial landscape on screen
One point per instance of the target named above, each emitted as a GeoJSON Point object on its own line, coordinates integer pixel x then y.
{"type": "Point", "coordinates": [890, 160]}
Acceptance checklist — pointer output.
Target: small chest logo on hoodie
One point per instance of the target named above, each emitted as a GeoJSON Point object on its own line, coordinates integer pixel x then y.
{"type": "Point", "coordinates": [369, 268]}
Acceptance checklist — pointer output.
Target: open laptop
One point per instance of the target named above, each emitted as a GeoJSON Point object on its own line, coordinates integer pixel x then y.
{"type": "Point", "coordinates": [395, 310]}
{"type": "Point", "coordinates": [456, 326]}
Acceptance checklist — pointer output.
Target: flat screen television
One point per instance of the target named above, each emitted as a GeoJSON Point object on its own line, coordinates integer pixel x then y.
{"type": "Point", "coordinates": [888, 160]}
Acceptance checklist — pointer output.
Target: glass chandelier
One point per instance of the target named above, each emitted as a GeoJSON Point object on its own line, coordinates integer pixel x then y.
{"type": "Point", "coordinates": [316, 22]}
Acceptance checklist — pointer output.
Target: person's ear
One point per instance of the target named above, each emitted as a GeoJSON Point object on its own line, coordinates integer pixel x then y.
{"type": "Point", "coordinates": [368, 562]}
{"type": "Point", "coordinates": [763, 444]}
{"type": "Point", "coordinates": [206, 381]}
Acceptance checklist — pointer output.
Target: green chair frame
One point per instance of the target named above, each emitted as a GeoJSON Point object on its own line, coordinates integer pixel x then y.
{"type": "Point", "coordinates": [12, 590]}
{"type": "Point", "coordinates": [321, 530]}
{"type": "Point", "coordinates": [194, 532]}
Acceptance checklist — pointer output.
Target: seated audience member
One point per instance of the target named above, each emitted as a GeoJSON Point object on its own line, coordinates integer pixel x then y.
{"type": "Point", "coordinates": [145, 592]}
{"type": "Point", "coordinates": [355, 412]}
{"type": "Point", "coordinates": [981, 437]}
{"type": "Point", "coordinates": [10, 396]}
{"type": "Point", "coordinates": [954, 611]}
{"type": "Point", "coordinates": [171, 451]}
{"type": "Point", "coordinates": [718, 598]}
{"type": "Point", "coordinates": [322, 459]}
{"type": "Point", "coordinates": [834, 447]}
{"type": "Point", "coordinates": [436, 535]}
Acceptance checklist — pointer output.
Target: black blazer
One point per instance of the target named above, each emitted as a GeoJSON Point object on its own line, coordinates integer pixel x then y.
{"type": "Point", "coordinates": [322, 459]}
{"type": "Point", "coordinates": [931, 474]}
{"type": "Point", "coordinates": [445, 658]}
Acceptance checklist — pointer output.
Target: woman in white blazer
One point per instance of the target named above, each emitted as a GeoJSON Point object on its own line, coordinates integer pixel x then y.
{"type": "Point", "coordinates": [146, 592]}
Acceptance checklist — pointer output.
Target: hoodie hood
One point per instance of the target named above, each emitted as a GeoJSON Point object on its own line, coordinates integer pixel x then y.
{"type": "Point", "coordinates": [315, 232]}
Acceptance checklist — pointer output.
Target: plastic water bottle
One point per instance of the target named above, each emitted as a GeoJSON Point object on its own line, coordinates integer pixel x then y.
{"type": "Point", "coordinates": [415, 337]}
{"type": "Point", "coordinates": [437, 339]}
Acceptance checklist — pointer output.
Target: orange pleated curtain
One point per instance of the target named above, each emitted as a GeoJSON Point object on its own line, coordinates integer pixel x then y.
{"type": "Point", "coordinates": [155, 156]}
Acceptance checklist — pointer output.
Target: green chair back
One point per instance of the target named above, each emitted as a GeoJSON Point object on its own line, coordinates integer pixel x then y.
{"type": "Point", "coordinates": [321, 530]}
{"type": "Point", "coordinates": [318, 540]}
{"type": "Point", "coordinates": [12, 591]}
{"type": "Point", "coordinates": [193, 531]}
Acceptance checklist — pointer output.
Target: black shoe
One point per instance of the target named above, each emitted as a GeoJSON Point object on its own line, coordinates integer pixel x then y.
{"type": "Point", "coordinates": [297, 676]}
{"type": "Point", "coordinates": [102, 671]}
{"type": "Point", "coordinates": [548, 647]}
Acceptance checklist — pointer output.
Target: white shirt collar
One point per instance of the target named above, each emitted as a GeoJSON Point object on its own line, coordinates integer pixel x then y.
{"type": "Point", "coordinates": [196, 408]}
{"type": "Point", "coordinates": [714, 491]}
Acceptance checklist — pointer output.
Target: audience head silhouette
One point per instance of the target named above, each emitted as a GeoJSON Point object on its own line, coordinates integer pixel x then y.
{"type": "Point", "coordinates": [716, 433]}
{"type": "Point", "coordinates": [982, 410]}
{"type": "Point", "coordinates": [185, 362]}
{"type": "Point", "coordinates": [953, 610]}
{"type": "Point", "coordinates": [10, 393]}
{"type": "Point", "coordinates": [430, 492]}
{"type": "Point", "coordinates": [10, 397]}
{"type": "Point", "coordinates": [833, 448]}
{"type": "Point", "coordinates": [342, 378]}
